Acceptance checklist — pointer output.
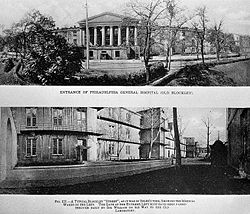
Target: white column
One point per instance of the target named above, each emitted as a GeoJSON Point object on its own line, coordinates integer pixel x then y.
{"type": "Point", "coordinates": [119, 36]}
{"type": "Point", "coordinates": [83, 37]}
{"type": "Point", "coordinates": [80, 37]}
{"type": "Point", "coordinates": [95, 35]}
{"type": "Point", "coordinates": [111, 35]}
{"type": "Point", "coordinates": [135, 39]}
{"type": "Point", "coordinates": [127, 35]}
{"type": "Point", "coordinates": [103, 36]}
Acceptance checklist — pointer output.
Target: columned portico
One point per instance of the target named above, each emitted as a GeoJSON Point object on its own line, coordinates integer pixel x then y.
{"type": "Point", "coordinates": [109, 39]}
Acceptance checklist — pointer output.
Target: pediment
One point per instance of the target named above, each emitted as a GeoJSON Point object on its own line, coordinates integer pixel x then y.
{"type": "Point", "coordinates": [104, 18]}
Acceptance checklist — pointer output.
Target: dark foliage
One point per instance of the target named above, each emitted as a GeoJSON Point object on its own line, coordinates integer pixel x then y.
{"type": "Point", "coordinates": [200, 75]}
{"type": "Point", "coordinates": [47, 57]}
{"type": "Point", "coordinates": [8, 65]}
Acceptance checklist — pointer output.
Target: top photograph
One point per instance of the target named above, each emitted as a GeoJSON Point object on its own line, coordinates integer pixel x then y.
{"type": "Point", "coordinates": [125, 43]}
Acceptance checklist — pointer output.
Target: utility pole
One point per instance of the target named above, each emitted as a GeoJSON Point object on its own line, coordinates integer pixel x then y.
{"type": "Point", "coordinates": [87, 35]}
{"type": "Point", "coordinates": [177, 138]}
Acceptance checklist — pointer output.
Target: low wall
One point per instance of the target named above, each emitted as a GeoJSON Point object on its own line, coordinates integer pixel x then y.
{"type": "Point", "coordinates": [68, 175]}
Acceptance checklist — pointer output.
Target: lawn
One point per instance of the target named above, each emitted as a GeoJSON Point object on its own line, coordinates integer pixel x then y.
{"type": "Point", "coordinates": [114, 68]}
{"type": "Point", "coordinates": [238, 71]}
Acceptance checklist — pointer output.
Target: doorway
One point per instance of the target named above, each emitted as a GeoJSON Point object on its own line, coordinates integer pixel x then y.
{"type": "Point", "coordinates": [81, 150]}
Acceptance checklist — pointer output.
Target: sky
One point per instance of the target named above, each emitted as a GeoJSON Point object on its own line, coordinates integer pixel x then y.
{"type": "Point", "coordinates": [235, 13]}
{"type": "Point", "coordinates": [191, 121]}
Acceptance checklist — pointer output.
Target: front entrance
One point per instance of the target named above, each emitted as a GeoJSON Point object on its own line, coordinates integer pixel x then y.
{"type": "Point", "coordinates": [81, 150]}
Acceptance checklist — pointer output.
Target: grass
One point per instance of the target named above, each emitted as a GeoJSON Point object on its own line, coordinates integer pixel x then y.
{"type": "Point", "coordinates": [238, 71]}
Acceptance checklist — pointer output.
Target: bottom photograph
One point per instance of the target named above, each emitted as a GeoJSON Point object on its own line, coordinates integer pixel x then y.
{"type": "Point", "coordinates": [118, 150]}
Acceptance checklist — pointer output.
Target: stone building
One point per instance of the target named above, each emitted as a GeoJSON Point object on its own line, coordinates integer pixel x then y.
{"type": "Point", "coordinates": [238, 129]}
{"type": "Point", "coordinates": [111, 36]}
{"type": "Point", "coordinates": [155, 127]}
{"type": "Point", "coordinates": [120, 129]}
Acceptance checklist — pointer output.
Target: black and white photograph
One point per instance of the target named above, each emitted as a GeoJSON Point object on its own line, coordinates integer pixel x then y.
{"type": "Point", "coordinates": [124, 106]}
{"type": "Point", "coordinates": [127, 42]}
{"type": "Point", "coordinates": [117, 150]}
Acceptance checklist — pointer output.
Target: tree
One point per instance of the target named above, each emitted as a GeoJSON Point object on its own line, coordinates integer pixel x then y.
{"type": "Point", "coordinates": [216, 37]}
{"type": "Point", "coordinates": [148, 13]}
{"type": "Point", "coordinates": [209, 125]}
{"type": "Point", "coordinates": [47, 57]}
{"type": "Point", "coordinates": [200, 28]}
{"type": "Point", "coordinates": [177, 138]}
{"type": "Point", "coordinates": [175, 19]}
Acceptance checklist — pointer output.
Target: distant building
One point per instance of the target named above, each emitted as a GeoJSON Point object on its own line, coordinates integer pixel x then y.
{"type": "Point", "coordinates": [111, 36]}
{"type": "Point", "coordinates": [155, 127]}
{"type": "Point", "coordinates": [238, 129]}
{"type": "Point", "coordinates": [201, 151]}
{"type": "Point", "coordinates": [190, 147]}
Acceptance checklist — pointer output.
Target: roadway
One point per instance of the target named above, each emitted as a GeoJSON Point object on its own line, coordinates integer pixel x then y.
{"type": "Point", "coordinates": [194, 177]}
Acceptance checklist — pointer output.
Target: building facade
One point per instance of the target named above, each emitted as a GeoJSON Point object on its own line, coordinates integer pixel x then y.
{"type": "Point", "coordinates": [55, 135]}
{"type": "Point", "coordinates": [238, 129]}
{"type": "Point", "coordinates": [47, 135]}
{"type": "Point", "coordinates": [156, 130]}
{"type": "Point", "coordinates": [120, 129]}
{"type": "Point", "coordinates": [110, 36]}
{"type": "Point", "coordinates": [72, 135]}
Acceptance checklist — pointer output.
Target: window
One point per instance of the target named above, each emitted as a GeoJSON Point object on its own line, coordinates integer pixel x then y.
{"type": "Point", "coordinates": [75, 41]}
{"type": "Point", "coordinates": [128, 133]}
{"type": "Point", "coordinates": [112, 130]}
{"type": "Point", "coordinates": [82, 142]}
{"type": "Point", "coordinates": [31, 147]}
{"type": "Point", "coordinates": [31, 114]}
{"type": "Point", "coordinates": [57, 146]}
{"type": "Point", "coordinates": [111, 112]}
{"type": "Point", "coordinates": [91, 53]}
{"type": "Point", "coordinates": [57, 117]}
{"type": "Point", "coordinates": [75, 33]}
{"type": "Point", "coordinates": [128, 150]}
{"type": "Point", "coordinates": [128, 117]}
{"type": "Point", "coordinates": [117, 54]}
{"type": "Point", "coordinates": [81, 117]}
{"type": "Point", "coordinates": [111, 148]}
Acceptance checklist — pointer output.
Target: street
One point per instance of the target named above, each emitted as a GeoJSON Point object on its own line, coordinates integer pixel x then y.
{"type": "Point", "coordinates": [194, 177]}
